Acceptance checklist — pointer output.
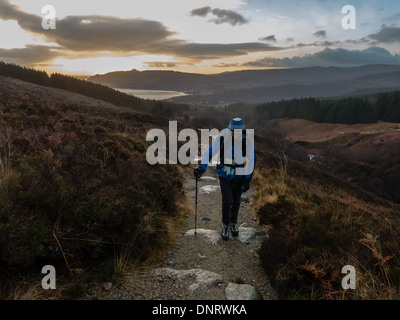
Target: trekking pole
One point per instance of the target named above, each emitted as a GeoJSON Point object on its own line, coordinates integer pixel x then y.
{"type": "Point", "coordinates": [195, 210]}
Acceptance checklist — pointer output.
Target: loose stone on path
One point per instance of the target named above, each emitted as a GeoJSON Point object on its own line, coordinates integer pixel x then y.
{"type": "Point", "coordinates": [235, 291]}
{"type": "Point", "coordinates": [208, 189]}
{"type": "Point", "coordinates": [214, 236]}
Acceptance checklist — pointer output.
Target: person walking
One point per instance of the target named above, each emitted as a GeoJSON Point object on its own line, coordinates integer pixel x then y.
{"type": "Point", "coordinates": [234, 175]}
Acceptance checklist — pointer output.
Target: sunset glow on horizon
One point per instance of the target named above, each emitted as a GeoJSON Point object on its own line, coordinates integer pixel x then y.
{"type": "Point", "coordinates": [208, 36]}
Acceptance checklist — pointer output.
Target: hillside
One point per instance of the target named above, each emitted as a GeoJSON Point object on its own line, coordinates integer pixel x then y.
{"type": "Point", "coordinates": [76, 190]}
{"type": "Point", "coordinates": [259, 85]}
{"type": "Point", "coordinates": [320, 223]}
{"type": "Point", "coordinates": [365, 155]}
{"type": "Point", "coordinates": [88, 89]}
{"type": "Point", "coordinates": [327, 88]}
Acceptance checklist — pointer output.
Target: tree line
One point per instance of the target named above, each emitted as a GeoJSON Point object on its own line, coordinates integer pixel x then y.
{"type": "Point", "coordinates": [60, 81]}
{"type": "Point", "coordinates": [87, 88]}
{"type": "Point", "coordinates": [349, 110]}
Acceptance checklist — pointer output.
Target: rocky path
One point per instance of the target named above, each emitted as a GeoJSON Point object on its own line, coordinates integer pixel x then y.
{"type": "Point", "coordinates": [205, 267]}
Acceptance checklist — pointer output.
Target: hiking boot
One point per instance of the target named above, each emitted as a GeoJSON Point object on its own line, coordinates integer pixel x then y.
{"type": "Point", "coordinates": [234, 230]}
{"type": "Point", "coordinates": [225, 232]}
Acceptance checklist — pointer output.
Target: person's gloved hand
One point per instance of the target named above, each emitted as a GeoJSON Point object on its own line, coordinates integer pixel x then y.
{"type": "Point", "coordinates": [198, 172]}
{"type": "Point", "coordinates": [245, 185]}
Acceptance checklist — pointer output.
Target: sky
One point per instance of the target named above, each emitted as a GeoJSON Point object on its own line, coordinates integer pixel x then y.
{"type": "Point", "coordinates": [89, 37]}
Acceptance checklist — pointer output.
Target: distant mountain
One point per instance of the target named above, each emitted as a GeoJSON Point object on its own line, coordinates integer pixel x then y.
{"type": "Point", "coordinates": [157, 80]}
{"type": "Point", "coordinates": [260, 85]}
{"type": "Point", "coordinates": [355, 86]}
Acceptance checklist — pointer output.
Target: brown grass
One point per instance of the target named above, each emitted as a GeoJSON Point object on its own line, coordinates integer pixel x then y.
{"type": "Point", "coordinates": [77, 192]}
{"type": "Point", "coordinates": [329, 227]}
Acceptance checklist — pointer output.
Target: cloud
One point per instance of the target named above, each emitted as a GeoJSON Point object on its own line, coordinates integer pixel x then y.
{"type": "Point", "coordinates": [227, 65]}
{"type": "Point", "coordinates": [7, 10]}
{"type": "Point", "coordinates": [25, 20]}
{"type": "Point", "coordinates": [331, 57]}
{"type": "Point", "coordinates": [394, 18]}
{"type": "Point", "coordinates": [320, 34]}
{"type": "Point", "coordinates": [88, 35]}
{"type": "Point", "coordinates": [387, 35]}
{"type": "Point", "coordinates": [228, 16]}
{"type": "Point", "coordinates": [160, 64]}
{"type": "Point", "coordinates": [204, 51]}
{"type": "Point", "coordinates": [322, 44]}
{"type": "Point", "coordinates": [270, 38]}
{"type": "Point", "coordinates": [31, 55]}
{"type": "Point", "coordinates": [363, 40]}
{"type": "Point", "coordinates": [221, 15]}
{"type": "Point", "coordinates": [201, 12]}
{"type": "Point", "coordinates": [92, 33]}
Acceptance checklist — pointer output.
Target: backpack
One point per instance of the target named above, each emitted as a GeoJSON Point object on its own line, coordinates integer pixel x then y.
{"type": "Point", "coordinates": [222, 155]}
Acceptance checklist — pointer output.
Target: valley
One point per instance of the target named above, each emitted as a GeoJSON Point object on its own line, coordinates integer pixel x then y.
{"type": "Point", "coordinates": [77, 192]}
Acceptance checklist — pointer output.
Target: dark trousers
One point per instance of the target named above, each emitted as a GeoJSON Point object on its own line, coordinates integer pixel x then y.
{"type": "Point", "coordinates": [231, 193]}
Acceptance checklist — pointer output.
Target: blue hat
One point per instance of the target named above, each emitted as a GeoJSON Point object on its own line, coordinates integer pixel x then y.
{"type": "Point", "coordinates": [236, 123]}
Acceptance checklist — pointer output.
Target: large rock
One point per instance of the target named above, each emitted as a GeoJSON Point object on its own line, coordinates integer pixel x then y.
{"type": "Point", "coordinates": [245, 198]}
{"type": "Point", "coordinates": [198, 278]}
{"type": "Point", "coordinates": [208, 189]}
{"type": "Point", "coordinates": [236, 291]}
{"type": "Point", "coordinates": [214, 236]}
{"type": "Point", "coordinates": [204, 278]}
{"type": "Point", "coordinates": [207, 178]}
{"type": "Point", "coordinates": [211, 236]}
{"type": "Point", "coordinates": [246, 234]}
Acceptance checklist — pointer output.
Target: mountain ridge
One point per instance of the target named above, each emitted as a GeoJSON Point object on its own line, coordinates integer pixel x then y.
{"type": "Point", "coordinates": [219, 87]}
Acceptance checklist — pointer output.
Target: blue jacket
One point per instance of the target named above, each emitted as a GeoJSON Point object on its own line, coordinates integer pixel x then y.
{"type": "Point", "coordinates": [214, 149]}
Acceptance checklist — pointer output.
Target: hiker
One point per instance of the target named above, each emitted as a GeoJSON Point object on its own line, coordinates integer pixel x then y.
{"type": "Point", "coordinates": [232, 183]}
